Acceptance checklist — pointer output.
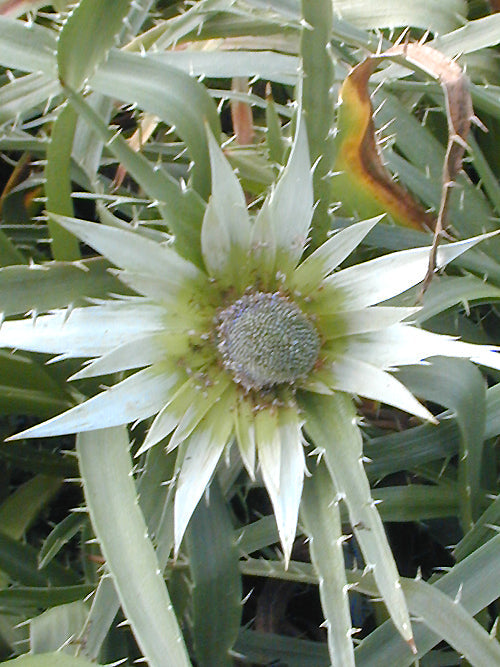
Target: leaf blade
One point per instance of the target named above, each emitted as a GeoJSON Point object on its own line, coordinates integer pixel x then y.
{"type": "Point", "coordinates": [87, 35]}
{"type": "Point", "coordinates": [120, 527]}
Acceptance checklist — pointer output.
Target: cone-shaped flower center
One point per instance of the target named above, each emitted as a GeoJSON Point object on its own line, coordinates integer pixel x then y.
{"type": "Point", "coordinates": [265, 340]}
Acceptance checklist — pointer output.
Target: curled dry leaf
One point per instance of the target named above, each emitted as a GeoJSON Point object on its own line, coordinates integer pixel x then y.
{"type": "Point", "coordinates": [459, 114]}
{"type": "Point", "coordinates": [361, 181]}
{"type": "Point", "coordinates": [360, 175]}
{"type": "Point", "coordinates": [455, 84]}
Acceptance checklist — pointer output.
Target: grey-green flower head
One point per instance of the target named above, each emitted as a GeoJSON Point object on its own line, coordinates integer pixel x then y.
{"type": "Point", "coordinates": [265, 340]}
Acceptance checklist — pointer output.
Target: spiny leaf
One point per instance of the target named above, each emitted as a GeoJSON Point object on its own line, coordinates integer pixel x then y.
{"type": "Point", "coordinates": [87, 35]}
{"type": "Point", "coordinates": [58, 183]}
{"type": "Point", "coordinates": [26, 46]}
{"type": "Point", "coordinates": [169, 93]}
{"type": "Point", "coordinates": [318, 106]}
{"type": "Point", "coordinates": [181, 209]}
{"type": "Point", "coordinates": [54, 284]}
{"type": "Point", "coordinates": [321, 516]}
{"type": "Point", "coordinates": [54, 659]}
{"type": "Point", "coordinates": [120, 526]}
{"type": "Point", "coordinates": [213, 561]}
{"type": "Point", "coordinates": [331, 425]}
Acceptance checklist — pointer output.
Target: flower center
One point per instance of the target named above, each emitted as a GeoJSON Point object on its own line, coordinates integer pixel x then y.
{"type": "Point", "coordinates": [265, 340]}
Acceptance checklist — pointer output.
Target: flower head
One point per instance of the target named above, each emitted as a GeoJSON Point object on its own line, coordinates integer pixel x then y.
{"type": "Point", "coordinates": [238, 350]}
{"type": "Point", "coordinates": [265, 340]}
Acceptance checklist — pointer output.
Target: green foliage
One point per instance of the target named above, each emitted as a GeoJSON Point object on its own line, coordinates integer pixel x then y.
{"type": "Point", "coordinates": [114, 112]}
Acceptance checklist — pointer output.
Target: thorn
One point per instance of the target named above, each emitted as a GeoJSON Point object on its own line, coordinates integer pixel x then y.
{"type": "Point", "coordinates": [305, 24]}
{"type": "Point", "coordinates": [68, 312]}
{"type": "Point", "coordinates": [478, 123]}
{"type": "Point", "coordinates": [424, 37]}
{"type": "Point", "coordinates": [411, 644]}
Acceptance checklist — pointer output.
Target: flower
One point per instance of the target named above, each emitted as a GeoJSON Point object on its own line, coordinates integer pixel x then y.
{"type": "Point", "coordinates": [251, 347]}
